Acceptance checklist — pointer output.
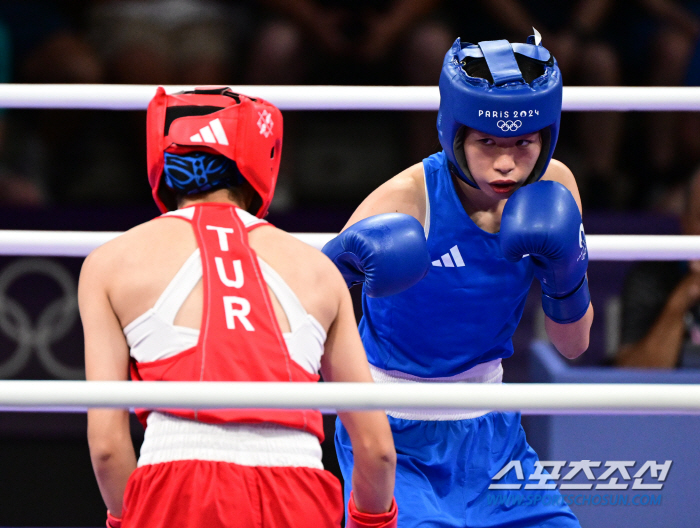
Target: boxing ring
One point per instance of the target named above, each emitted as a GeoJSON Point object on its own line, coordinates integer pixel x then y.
{"type": "Point", "coordinates": [633, 399]}
{"type": "Point", "coordinates": [528, 398]}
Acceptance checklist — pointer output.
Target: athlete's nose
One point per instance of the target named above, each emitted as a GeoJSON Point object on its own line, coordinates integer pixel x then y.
{"type": "Point", "coordinates": [504, 163]}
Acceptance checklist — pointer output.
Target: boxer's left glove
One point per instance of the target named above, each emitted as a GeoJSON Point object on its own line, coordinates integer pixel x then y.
{"type": "Point", "coordinates": [387, 252]}
{"type": "Point", "coordinates": [112, 521]}
{"type": "Point", "coordinates": [358, 519]}
{"type": "Point", "coordinates": [543, 220]}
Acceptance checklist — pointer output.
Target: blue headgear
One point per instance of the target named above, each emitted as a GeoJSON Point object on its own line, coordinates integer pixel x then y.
{"type": "Point", "coordinates": [197, 172]}
{"type": "Point", "coordinates": [505, 105]}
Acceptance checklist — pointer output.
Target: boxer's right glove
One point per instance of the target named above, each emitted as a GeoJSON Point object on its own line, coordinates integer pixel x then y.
{"type": "Point", "coordinates": [387, 252]}
{"type": "Point", "coordinates": [358, 519]}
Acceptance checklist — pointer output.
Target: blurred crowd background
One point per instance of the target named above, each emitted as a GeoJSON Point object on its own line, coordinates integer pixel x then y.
{"type": "Point", "coordinates": [622, 161]}
{"type": "Point", "coordinates": [639, 172]}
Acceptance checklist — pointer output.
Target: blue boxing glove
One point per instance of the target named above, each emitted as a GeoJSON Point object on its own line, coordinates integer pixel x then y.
{"type": "Point", "coordinates": [387, 252]}
{"type": "Point", "coordinates": [543, 220]}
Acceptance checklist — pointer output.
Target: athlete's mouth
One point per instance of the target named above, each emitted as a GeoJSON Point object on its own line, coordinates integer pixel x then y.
{"type": "Point", "coordinates": [503, 186]}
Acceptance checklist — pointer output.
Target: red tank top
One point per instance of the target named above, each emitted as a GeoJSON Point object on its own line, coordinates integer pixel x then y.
{"type": "Point", "coordinates": [239, 337]}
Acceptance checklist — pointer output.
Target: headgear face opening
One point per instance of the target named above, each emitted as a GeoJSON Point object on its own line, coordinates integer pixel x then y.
{"type": "Point", "coordinates": [501, 89]}
{"type": "Point", "coordinates": [214, 120]}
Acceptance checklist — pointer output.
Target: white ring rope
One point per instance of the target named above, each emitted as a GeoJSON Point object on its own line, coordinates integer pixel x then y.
{"type": "Point", "coordinates": [530, 398]}
{"type": "Point", "coordinates": [331, 397]}
{"type": "Point", "coordinates": [600, 247]}
{"type": "Point", "coordinates": [136, 97]}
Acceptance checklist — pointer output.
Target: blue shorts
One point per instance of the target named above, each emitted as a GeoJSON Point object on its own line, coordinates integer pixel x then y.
{"type": "Point", "coordinates": [444, 469]}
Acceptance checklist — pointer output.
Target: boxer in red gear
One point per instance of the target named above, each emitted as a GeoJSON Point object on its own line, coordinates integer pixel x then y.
{"type": "Point", "coordinates": [210, 292]}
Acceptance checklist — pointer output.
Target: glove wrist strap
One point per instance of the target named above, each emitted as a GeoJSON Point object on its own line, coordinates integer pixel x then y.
{"type": "Point", "coordinates": [112, 521]}
{"type": "Point", "coordinates": [568, 309]}
{"type": "Point", "coordinates": [358, 519]}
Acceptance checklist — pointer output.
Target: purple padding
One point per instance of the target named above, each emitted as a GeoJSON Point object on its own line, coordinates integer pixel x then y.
{"type": "Point", "coordinates": [621, 438]}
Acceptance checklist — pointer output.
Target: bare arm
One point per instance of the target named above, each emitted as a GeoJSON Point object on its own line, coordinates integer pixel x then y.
{"type": "Point", "coordinates": [571, 339]}
{"type": "Point", "coordinates": [404, 193]}
{"type": "Point", "coordinates": [372, 443]}
{"type": "Point", "coordinates": [106, 358]}
{"type": "Point", "coordinates": [661, 346]}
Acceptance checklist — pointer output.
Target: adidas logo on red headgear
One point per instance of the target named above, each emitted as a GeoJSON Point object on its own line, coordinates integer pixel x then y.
{"type": "Point", "coordinates": [213, 133]}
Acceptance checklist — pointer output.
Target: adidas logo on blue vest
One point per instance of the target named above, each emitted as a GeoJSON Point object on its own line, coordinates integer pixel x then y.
{"type": "Point", "coordinates": [447, 261]}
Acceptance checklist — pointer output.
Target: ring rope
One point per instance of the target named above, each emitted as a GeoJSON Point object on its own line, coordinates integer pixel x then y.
{"type": "Point", "coordinates": [529, 398]}
{"type": "Point", "coordinates": [136, 97]}
{"type": "Point", "coordinates": [600, 247]}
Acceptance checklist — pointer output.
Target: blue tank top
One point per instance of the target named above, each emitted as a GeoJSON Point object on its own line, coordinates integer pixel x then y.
{"type": "Point", "coordinates": [464, 311]}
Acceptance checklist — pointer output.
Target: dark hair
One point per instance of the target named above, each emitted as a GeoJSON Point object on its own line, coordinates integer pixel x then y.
{"type": "Point", "coordinates": [197, 173]}
{"type": "Point", "coordinates": [239, 193]}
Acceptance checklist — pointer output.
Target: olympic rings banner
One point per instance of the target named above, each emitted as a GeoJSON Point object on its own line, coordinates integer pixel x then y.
{"type": "Point", "coordinates": [41, 335]}
{"type": "Point", "coordinates": [40, 338]}
{"type": "Point", "coordinates": [40, 331]}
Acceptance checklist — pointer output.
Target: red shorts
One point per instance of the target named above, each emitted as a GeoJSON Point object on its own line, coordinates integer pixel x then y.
{"type": "Point", "coordinates": [197, 493]}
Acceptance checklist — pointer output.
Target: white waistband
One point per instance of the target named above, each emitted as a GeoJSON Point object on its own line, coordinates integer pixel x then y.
{"type": "Point", "coordinates": [169, 438]}
{"type": "Point", "coordinates": [489, 372]}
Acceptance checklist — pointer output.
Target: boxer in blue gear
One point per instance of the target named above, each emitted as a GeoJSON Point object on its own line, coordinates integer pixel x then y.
{"type": "Point", "coordinates": [496, 211]}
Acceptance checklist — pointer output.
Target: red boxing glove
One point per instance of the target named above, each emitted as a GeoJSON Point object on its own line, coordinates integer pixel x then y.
{"type": "Point", "coordinates": [112, 521]}
{"type": "Point", "coordinates": [358, 519]}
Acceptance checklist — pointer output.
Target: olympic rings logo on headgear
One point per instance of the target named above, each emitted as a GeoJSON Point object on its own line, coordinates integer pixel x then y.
{"type": "Point", "coordinates": [53, 323]}
{"type": "Point", "coordinates": [509, 126]}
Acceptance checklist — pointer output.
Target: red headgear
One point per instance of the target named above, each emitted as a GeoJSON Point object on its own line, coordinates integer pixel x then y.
{"type": "Point", "coordinates": [244, 129]}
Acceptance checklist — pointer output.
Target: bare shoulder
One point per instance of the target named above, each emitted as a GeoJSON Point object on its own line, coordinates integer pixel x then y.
{"type": "Point", "coordinates": [103, 258]}
{"type": "Point", "coordinates": [558, 172]}
{"type": "Point", "coordinates": [101, 263]}
{"type": "Point", "coordinates": [150, 244]}
{"type": "Point", "coordinates": [146, 237]}
{"type": "Point", "coordinates": [309, 273]}
{"type": "Point", "coordinates": [404, 193]}
{"type": "Point", "coordinates": [289, 255]}
{"type": "Point", "coordinates": [410, 181]}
